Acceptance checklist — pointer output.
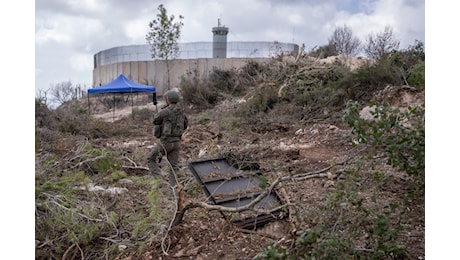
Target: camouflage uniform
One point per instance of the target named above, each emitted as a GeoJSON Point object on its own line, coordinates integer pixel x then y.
{"type": "Point", "coordinates": [170, 141]}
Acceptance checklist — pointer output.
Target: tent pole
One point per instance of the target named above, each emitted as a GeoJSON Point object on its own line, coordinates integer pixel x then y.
{"type": "Point", "coordinates": [89, 106]}
{"type": "Point", "coordinates": [132, 105]}
{"type": "Point", "coordinates": [113, 109]}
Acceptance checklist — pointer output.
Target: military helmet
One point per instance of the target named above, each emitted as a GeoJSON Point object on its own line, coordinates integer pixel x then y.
{"type": "Point", "coordinates": [173, 96]}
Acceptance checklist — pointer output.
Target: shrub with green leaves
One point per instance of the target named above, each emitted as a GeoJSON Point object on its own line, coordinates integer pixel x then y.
{"type": "Point", "coordinates": [144, 114]}
{"type": "Point", "coordinates": [107, 161]}
{"type": "Point", "coordinates": [272, 253]}
{"type": "Point", "coordinates": [400, 135]}
{"type": "Point", "coordinates": [198, 92]}
{"type": "Point", "coordinates": [417, 75]}
{"type": "Point", "coordinates": [409, 64]}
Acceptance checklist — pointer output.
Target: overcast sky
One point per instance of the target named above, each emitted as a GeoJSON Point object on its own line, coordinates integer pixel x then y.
{"type": "Point", "coordinates": [69, 32]}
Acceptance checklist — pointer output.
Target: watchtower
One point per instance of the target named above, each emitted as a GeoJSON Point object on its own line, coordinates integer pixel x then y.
{"type": "Point", "coordinates": [219, 42]}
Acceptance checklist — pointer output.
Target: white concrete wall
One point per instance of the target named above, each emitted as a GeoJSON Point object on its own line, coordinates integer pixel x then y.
{"type": "Point", "coordinates": [154, 73]}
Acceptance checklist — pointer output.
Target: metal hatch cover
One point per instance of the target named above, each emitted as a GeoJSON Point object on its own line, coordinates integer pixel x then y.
{"type": "Point", "coordinates": [226, 185]}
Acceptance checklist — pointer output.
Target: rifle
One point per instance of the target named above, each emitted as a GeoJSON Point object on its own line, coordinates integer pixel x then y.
{"type": "Point", "coordinates": [155, 102]}
{"type": "Point", "coordinates": [156, 128]}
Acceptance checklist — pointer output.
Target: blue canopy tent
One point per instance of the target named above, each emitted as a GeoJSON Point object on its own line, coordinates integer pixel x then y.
{"type": "Point", "coordinates": [123, 85]}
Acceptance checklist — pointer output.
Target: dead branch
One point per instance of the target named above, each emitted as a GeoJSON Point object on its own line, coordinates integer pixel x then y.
{"type": "Point", "coordinates": [87, 161]}
{"type": "Point", "coordinates": [53, 201]}
{"type": "Point", "coordinates": [178, 192]}
{"type": "Point", "coordinates": [285, 197]}
{"type": "Point", "coordinates": [319, 173]}
{"type": "Point", "coordinates": [195, 139]}
{"type": "Point", "coordinates": [64, 256]}
{"type": "Point", "coordinates": [135, 169]}
{"type": "Point", "coordinates": [129, 160]}
{"type": "Point", "coordinates": [311, 176]}
{"type": "Point", "coordinates": [111, 240]}
{"type": "Point", "coordinates": [81, 252]}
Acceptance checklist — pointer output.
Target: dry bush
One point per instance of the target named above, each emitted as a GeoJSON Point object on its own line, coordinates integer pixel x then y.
{"type": "Point", "coordinates": [44, 117]}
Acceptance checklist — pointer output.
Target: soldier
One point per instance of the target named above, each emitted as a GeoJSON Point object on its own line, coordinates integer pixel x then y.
{"type": "Point", "coordinates": [169, 125]}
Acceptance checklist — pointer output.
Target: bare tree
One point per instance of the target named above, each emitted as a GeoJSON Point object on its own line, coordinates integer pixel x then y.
{"type": "Point", "coordinates": [379, 45]}
{"type": "Point", "coordinates": [344, 42]}
{"type": "Point", "coordinates": [163, 37]}
{"type": "Point", "coordinates": [66, 91]}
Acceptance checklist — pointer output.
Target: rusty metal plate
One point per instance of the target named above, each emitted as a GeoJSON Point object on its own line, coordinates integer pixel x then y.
{"type": "Point", "coordinates": [226, 185]}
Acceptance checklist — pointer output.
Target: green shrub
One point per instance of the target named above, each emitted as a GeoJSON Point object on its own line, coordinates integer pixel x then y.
{"type": "Point", "coordinates": [70, 127]}
{"type": "Point", "coordinates": [44, 117]}
{"type": "Point", "coordinates": [271, 253]}
{"type": "Point", "coordinates": [231, 124]}
{"type": "Point", "coordinates": [204, 117]}
{"type": "Point", "coordinates": [400, 135]}
{"type": "Point", "coordinates": [409, 64]}
{"type": "Point", "coordinates": [108, 164]}
{"type": "Point", "coordinates": [72, 118]}
{"type": "Point", "coordinates": [324, 51]}
{"type": "Point", "coordinates": [263, 100]}
{"type": "Point", "coordinates": [397, 68]}
{"type": "Point", "coordinates": [118, 175]}
{"type": "Point", "coordinates": [198, 92]}
{"type": "Point", "coordinates": [144, 114]}
{"type": "Point", "coordinates": [207, 92]}
{"type": "Point", "coordinates": [367, 80]}
{"type": "Point", "coordinates": [417, 75]}
{"type": "Point", "coordinates": [99, 129]}
{"type": "Point", "coordinates": [225, 81]}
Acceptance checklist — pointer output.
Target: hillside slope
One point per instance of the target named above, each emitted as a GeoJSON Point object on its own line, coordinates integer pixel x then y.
{"type": "Point", "coordinates": [340, 200]}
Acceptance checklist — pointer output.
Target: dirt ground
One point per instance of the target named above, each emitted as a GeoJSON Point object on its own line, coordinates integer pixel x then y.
{"type": "Point", "coordinates": [204, 234]}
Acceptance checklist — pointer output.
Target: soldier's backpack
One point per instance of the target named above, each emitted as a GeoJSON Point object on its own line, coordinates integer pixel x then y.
{"type": "Point", "coordinates": [174, 123]}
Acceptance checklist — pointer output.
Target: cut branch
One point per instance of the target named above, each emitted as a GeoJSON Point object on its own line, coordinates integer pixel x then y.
{"type": "Point", "coordinates": [88, 160]}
